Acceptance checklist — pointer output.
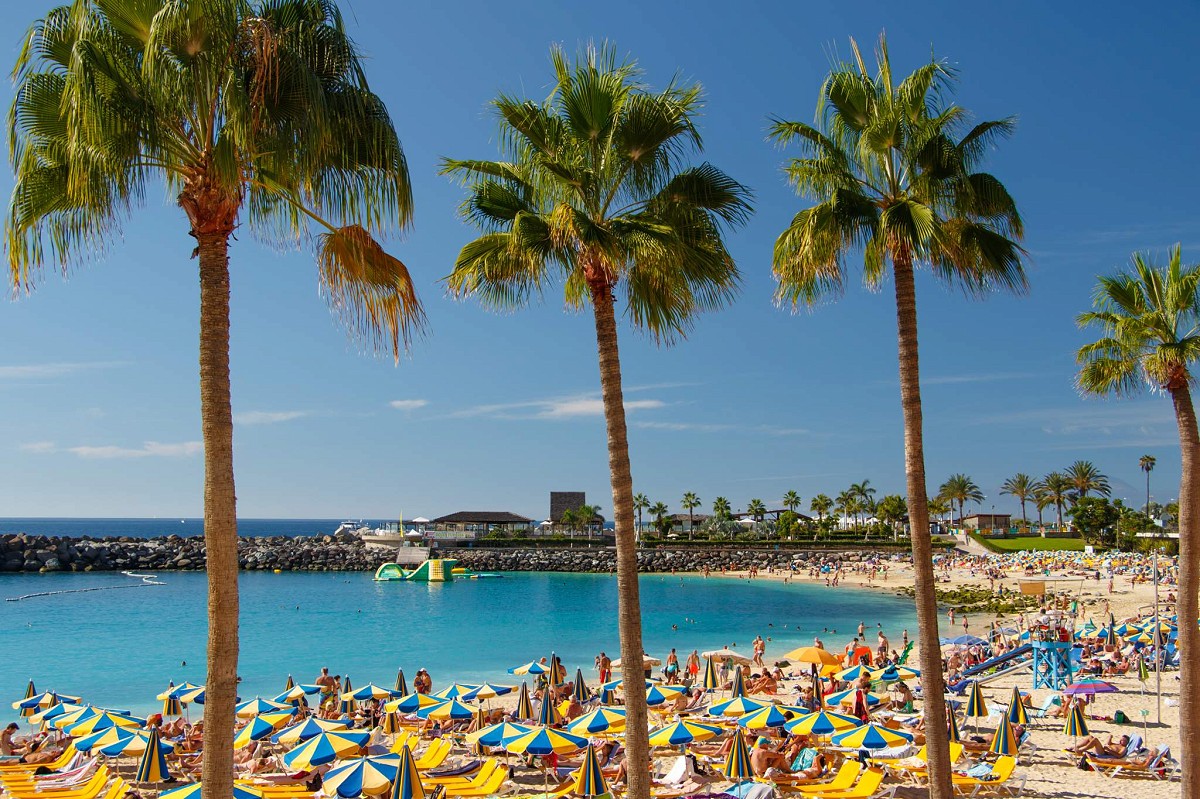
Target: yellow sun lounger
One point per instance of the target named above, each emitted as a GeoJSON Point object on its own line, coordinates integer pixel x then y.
{"type": "Point", "coordinates": [998, 783]}
{"type": "Point", "coordinates": [1161, 766]}
{"type": "Point", "coordinates": [90, 789]}
{"type": "Point", "coordinates": [63, 760]}
{"type": "Point", "coordinates": [843, 779]}
{"type": "Point", "coordinates": [433, 756]}
{"type": "Point", "coordinates": [487, 788]}
{"type": "Point", "coordinates": [868, 786]}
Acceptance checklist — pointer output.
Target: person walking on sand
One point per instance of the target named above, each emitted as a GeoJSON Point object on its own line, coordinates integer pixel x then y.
{"type": "Point", "coordinates": [693, 666]}
{"type": "Point", "coordinates": [760, 647]}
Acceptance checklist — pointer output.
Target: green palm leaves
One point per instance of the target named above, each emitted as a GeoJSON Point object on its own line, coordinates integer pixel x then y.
{"type": "Point", "coordinates": [895, 174]}
{"type": "Point", "coordinates": [593, 192]}
{"type": "Point", "coordinates": [262, 107]}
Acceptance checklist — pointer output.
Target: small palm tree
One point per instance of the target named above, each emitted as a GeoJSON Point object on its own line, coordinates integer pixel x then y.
{"type": "Point", "coordinates": [820, 505]}
{"type": "Point", "coordinates": [640, 503]}
{"type": "Point", "coordinates": [659, 511]}
{"type": "Point", "coordinates": [791, 501]}
{"type": "Point", "coordinates": [847, 504]}
{"type": "Point", "coordinates": [586, 516]}
{"type": "Point", "coordinates": [722, 509]}
{"type": "Point", "coordinates": [248, 112]}
{"type": "Point", "coordinates": [756, 509]}
{"type": "Point", "coordinates": [690, 503]}
{"type": "Point", "coordinates": [865, 496]}
{"type": "Point", "coordinates": [592, 189]}
{"type": "Point", "coordinates": [939, 506]}
{"type": "Point", "coordinates": [1149, 323]}
{"type": "Point", "coordinates": [1146, 464]}
{"type": "Point", "coordinates": [1057, 488]}
{"type": "Point", "coordinates": [1086, 478]}
{"type": "Point", "coordinates": [961, 489]}
{"type": "Point", "coordinates": [1020, 485]}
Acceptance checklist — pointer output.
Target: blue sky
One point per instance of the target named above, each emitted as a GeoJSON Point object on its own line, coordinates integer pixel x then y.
{"type": "Point", "coordinates": [99, 380]}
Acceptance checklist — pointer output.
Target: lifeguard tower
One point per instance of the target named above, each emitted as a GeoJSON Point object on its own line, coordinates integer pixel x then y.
{"type": "Point", "coordinates": [1051, 642]}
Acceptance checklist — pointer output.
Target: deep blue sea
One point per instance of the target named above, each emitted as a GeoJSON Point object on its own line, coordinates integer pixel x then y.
{"type": "Point", "coordinates": [150, 528]}
{"type": "Point", "coordinates": [119, 646]}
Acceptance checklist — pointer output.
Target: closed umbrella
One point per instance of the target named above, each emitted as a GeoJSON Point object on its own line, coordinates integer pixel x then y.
{"type": "Point", "coordinates": [737, 764]}
{"type": "Point", "coordinates": [401, 683]}
{"type": "Point", "coordinates": [362, 775]}
{"type": "Point", "coordinates": [347, 704]}
{"type": "Point", "coordinates": [27, 710]}
{"type": "Point", "coordinates": [389, 724]}
{"type": "Point", "coordinates": [1016, 708]}
{"type": "Point", "coordinates": [711, 681]}
{"type": "Point", "coordinates": [602, 719]}
{"type": "Point", "coordinates": [325, 748]}
{"type": "Point", "coordinates": [1076, 722]}
{"type": "Point", "coordinates": [171, 706]}
{"type": "Point", "coordinates": [952, 733]}
{"type": "Point", "coordinates": [590, 779]}
{"type": "Point", "coordinates": [547, 712]}
{"type": "Point", "coordinates": [737, 687]}
{"type": "Point", "coordinates": [407, 784]}
{"type": "Point", "coordinates": [580, 691]}
{"type": "Point", "coordinates": [681, 733]}
{"type": "Point", "coordinates": [289, 685]}
{"type": "Point", "coordinates": [976, 706]}
{"type": "Point", "coordinates": [1004, 741]}
{"type": "Point", "coordinates": [153, 765]}
{"type": "Point", "coordinates": [524, 708]}
{"type": "Point", "coordinates": [871, 736]}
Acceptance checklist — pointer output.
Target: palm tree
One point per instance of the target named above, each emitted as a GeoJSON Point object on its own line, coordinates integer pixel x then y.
{"type": "Point", "coordinates": [1086, 478]}
{"type": "Point", "coordinates": [791, 501]}
{"type": "Point", "coordinates": [568, 519]}
{"type": "Point", "coordinates": [893, 178]}
{"type": "Point", "coordinates": [592, 189]}
{"type": "Point", "coordinates": [1149, 320]}
{"type": "Point", "coordinates": [820, 505]}
{"type": "Point", "coordinates": [1020, 485]}
{"type": "Point", "coordinates": [961, 489]}
{"type": "Point", "coordinates": [1057, 488]}
{"type": "Point", "coordinates": [249, 112]}
{"type": "Point", "coordinates": [690, 503]}
{"type": "Point", "coordinates": [1146, 463]}
{"type": "Point", "coordinates": [659, 511]}
{"type": "Point", "coordinates": [756, 509]}
{"type": "Point", "coordinates": [846, 504]}
{"type": "Point", "coordinates": [1042, 500]}
{"type": "Point", "coordinates": [865, 496]}
{"type": "Point", "coordinates": [891, 510]}
{"type": "Point", "coordinates": [586, 517]}
{"type": "Point", "coordinates": [640, 503]}
{"type": "Point", "coordinates": [938, 506]}
{"type": "Point", "coordinates": [721, 508]}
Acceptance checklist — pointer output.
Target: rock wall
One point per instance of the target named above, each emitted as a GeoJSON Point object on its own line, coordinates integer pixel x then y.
{"type": "Point", "coordinates": [649, 560]}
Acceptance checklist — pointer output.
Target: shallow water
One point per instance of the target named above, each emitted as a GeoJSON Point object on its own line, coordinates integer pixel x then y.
{"type": "Point", "coordinates": [121, 646]}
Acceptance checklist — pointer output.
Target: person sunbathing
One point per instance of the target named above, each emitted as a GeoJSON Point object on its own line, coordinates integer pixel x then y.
{"type": "Point", "coordinates": [763, 758]}
{"type": "Point", "coordinates": [766, 684]}
{"type": "Point", "coordinates": [1110, 749]}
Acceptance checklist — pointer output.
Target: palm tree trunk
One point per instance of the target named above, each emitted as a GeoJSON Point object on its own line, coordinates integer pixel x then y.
{"type": "Point", "coordinates": [1189, 583]}
{"type": "Point", "coordinates": [932, 687]}
{"type": "Point", "coordinates": [220, 514]}
{"type": "Point", "coordinates": [629, 615]}
{"type": "Point", "coordinates": [1024, 520]}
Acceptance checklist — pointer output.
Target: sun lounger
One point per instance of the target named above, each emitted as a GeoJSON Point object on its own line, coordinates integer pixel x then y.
{"type": "Point", "coordinates": [1160, 767]}
{"type": "Point", "coordinates": [90, 789]}
{"type": "Point", "coordinates": [480, 774]}
{"type": "Point", "coordinates": [62, 762]}
{"type": "Point", "coordinates": [434, 755]}
{"type": "Point", "coordinates": [915, 769]}
{"type": "Point", "coordinates": [870, 784]}
{"type": "Point", "coordinates": [843, 779]}
{"type": "Point", "coordinates": [999, 783]}
{"type": "Point", "coordinates": [59, 779]}
{"type": "Point", "coordinates": [489, 787]}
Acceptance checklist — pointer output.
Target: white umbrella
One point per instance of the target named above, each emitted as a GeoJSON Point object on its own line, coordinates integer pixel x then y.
{"type": "Point", "coordinates": [419, 520]}
{"type": "Point", "coordinates": [749, 522]}
{"type": "Point", "coordinates": [726, 653]}
{"type": "Point", "coordinates": [647, 662]}
{"type": "Point", "coordinates": [546, 523]}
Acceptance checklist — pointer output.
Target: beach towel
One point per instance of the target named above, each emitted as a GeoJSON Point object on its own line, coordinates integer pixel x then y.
{"type": "Point", "coordinates": [804, 759]}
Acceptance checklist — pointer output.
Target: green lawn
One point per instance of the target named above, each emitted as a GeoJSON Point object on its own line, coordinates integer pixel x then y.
{"type": "Point", "coordinates": [1032, 542]}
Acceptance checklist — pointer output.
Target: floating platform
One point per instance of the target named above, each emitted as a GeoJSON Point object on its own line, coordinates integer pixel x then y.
{"type": "Point", "coordinates": [434, 570]}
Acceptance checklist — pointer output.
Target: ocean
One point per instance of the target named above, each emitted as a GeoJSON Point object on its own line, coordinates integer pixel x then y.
{"type": "Point", "coordinates": [151, 528]}
{"type": "Point", "coordinates": [119, 645]}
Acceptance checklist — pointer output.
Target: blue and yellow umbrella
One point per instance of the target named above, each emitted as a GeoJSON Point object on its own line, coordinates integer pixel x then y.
{"type": "Point", "coordinates": [496, 734]}
{"type": "Point", "coordinates": [894, 673]}
{"type": "Point", "coordinates": [1076, 722]}
{"type": "Point", "coordinates": [456, 690]}
{"type": "Point", "coordinates": [401, 683]}
{"type": "Point", "coordinates": [362, 775]}
{"type": "Point", "coordinates": [326, 748]}
{"type": "Point", "coordinates": [27, 710]}
{"type": "Point", "coordinates": [289, 685]}
{"type": "Point", "coordinates": [660, 694]}
{"type": "Point", "coordinates": [407, 784]}
{"type": "Point", "coordinates": [174, 690]}
{"type": "Point", "coordinates": [412, 703]}
{"type": "Point", "coordinates": [53, 712]}
{"type": "Point", "coordinates": [849, 698]}
{"type": "Point", "coordinates": [346, 703]}
{"type": "Point", "coordinates": [542, 741]}
{"type": "Point", "coordinates": [579, 689]}
{"type": "Point", "coordinates": [822, 723]}
{"type": "Point", "coordinates": [524, 708]}
{"type": "Point", "coordinates": [67, 715]}
{"type": "Point", "coordinates": [260, 727]}
{"type": "Point", "coordinates": [532, 667]}
{"type": "Point", "coordinates": [370, 691]}
{"type": "Point", "coordinates": [450, 709]}
{"type": "Point", "coordinates": [194, 695]}
{"type": "Point", "coordinates": [711, 681]}
{"type": "Point", "coordinates": [257, 706]}
{"type": "Point", "coordinates": [871, 736]}
{"type": "Point", "coordinates": [738, 686]}
{"type": "Point", "coordinates": [769, 716]}
{"type": "Point", "coordinates": [548, 714]}
{"type": "Point", "coordinates": [488, 691]}
{"type": "Point", "coordinates": [171, 706]}
{"type": "Point", "coordinates": [602, 719]}
{"type": "Point", "coordinates": [1004, 742]}
{"type": "Point", "coordinates": [589, 781]}
{"type": "Point", "coordinates": [976, 706]}
{"type": "Point", "coordinates": [153, 765]}
{"type": "Point", "coordinates": [42, 701]}
{"type": "Point", "coordinates": [309, 728]}
{"type": "Point", "coordinates": [389, 724]}
{"type": "Point", "coordinates": [853, 673]}
{"type": "Point", "coordinates": [102, 721]}
{"type": "Point", "coordinates": [103, 738]}
{"type": "Point", "coordinates": [682, 733]}
{"type": "Point", "coordinates": [192, 791]}
{"type": "Point", "coordinates": [738, 706]}
{"type": "Point", "coordinates": [133, 743]}
{"type": "Point", "coordinates": [952, 732]}
{"type": "Point", "coordinates": [737, 764]}
{"type": "Point", "coordinates": [295, 695]}
{"type": "Point", "coordinates": [1016, 708]}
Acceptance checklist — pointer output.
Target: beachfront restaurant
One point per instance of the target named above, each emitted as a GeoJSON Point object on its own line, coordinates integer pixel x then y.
{"type": "Point", "coordinates": [484, 521]}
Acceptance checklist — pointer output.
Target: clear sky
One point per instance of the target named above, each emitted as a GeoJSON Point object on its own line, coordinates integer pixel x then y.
{"type": "Point", "coordinates": [98, 380]}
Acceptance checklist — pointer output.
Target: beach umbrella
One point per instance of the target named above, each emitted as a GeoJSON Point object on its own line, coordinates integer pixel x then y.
{"type": "Point", "coordinates": [488, 691]}
{"type": "Point", "coordinates": [849, 698]}
{"type": "Point", "coordinates": [853, 673]}
{"type": "Point", "coordinates": [1016, 708]}
{"type": "Point", "coordinates": [579, 691]}
{"type": "Point", "coordinates": [547, 713]}
{"type": "Point", "coordinates": [259, 727]}
{"type": "Point", "coordinates": [822, 723]}
{"type": "Point", "coordinates": [556, 671]}
{"type": "Point", "coordinates": [295, 695]}
{"type": "Point", "coordinates": [347, 704]}
{"type": "Point", "coordinates": [737, 687]}
{"type": "Point", "coordinates": [103, 738]}
{"type": "Point", "coordinates": [737, 764]}
{"type": "Point", "coordinates": [258, 706]}
{"type": "Point", "coordinates": [682, 732]}
{"type": "Point", "coordinates": [325, 748]}
{"type": "Point", "coordinates": [542, 741]}
{"type": "Point", "coordinates": [1004, 741]}
{"type": "Point", "coordinates": [524, 708]}
{"type": "Point", "coordinates": [132, 743]}
{"type": "Point", "coordinates": [893, 673]}
{"type": "Point", "coordinates": [412, 703]}
{"type": "Point", "coordinates": [192, 791]}
{"type": "Point", "coordinates": [456, 690]}
{"type": "Point", "coordinates": [1090, 686]}
{"type": "Point", "coordinates": [871, 736]}
{"type": "Point", "coordinates": [1076, 722]}
{"type": "Point", "coordinates": [175, 690]}
{"type": "Point", "coordinates": [54, 711]}
{"type": "Point", "coordinates": [194, 695]}
{"type": "Point", "coordinates": [389, 724]}
{"type": "Point", "coordinates": [613, 685]}
{"type": "Point", "coordinates": [370, 691]}
{"type": "Point", "coordinates": [70, 714]}
{"type": "Point", "coordinates": [976, 706]}
{"type": "Point", "coordinates": [289, 685]}
{"type": "Point", "coordinates": [153, 765]}
{"type": "Point", "coordinates": [171, 706]}
{"type": "Point", "coordinates": [451, 709]}
{"type": "Point", "coordinates": [362, 775]}
{"type": "Point", "coordinates": [401, 683]}
{"type": "Point", "coordinates": [711, 681]}
{"type": "Point", "coordinates": [769, 716]}
{"type": "Point", "coordinates": [43, 701]}
{"type": "Point", "coordinates": [532, 667]}
{"type": "Point", "coordinates": [407, 784]}
{"type": "Point", "coordinates": [813, 655]}
{"type": "Point", "coordinates": [725, 653]}
{"type": "Point", "coordinates": [496, 733]}
{"type": "Point", "coordinates": [602, 719]}
{"type": "Point", "coordinates": [1143, 673]}
{"type": "Point", "coordinates": [590, 779]}
{"type": "Point", "coordinates": [309, 728]}
{"type": "Point", "coordinates": [952, 733]}
{"type": "Point", "coordinates": [102, 721]}
{"type": "Point", "coordinates": [738, 706]}
{"type": "Point", "coordinates": [27, 710]}
{"type": "Point", "coordinates": [659, 694]}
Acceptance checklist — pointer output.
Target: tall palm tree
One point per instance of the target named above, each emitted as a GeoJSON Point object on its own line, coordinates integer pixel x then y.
{"type": "Point", "coordinates": [865, 495]}
{"type": "Point", "coordinates": [640, 503]}
{"type": "Point", "coordinates": [791, 501]}
{"type": "Point", "coordinates": [248, 112]}
{"type": "Point", "coordinates": [820, 505]}
{"type": "Point", "coordinates": [895, 177]}
{"type": "Point", "coordinates": [721, 508]}
{"type": "Point", "coordinates": [592, 189]}
{"type": "Point", "coordinates": [756, 509]}
{"type": "Point", "coordinates": [961, 489]}
{"type": "Point", "coordinates": [938, 506]}
{"type": "Point", "coordinates": [586, 517]}
{"type": "Point", "coordinates": [1146, 464]}
{"type": "Point", "coordinates": [1149, 321]}
{"type": "Point", "coordinates": [659, 511]}
{"type": "Point", "coordinates": [1042, 500]}
{"type": "Point", "coordinates": [1086, 478]}
{"type": "Point", "coordinates": [1020, 485]}
{"type": "Point", "coordinates": [690, 503]}
{"type": "Point", "coordinates": [847, 504]}
{"type": "Point", "coordinates": [1057, 488]}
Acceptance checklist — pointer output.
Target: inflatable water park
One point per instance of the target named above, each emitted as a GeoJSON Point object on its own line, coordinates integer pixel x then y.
{"type": "Point", "coordinates": [434, 570]}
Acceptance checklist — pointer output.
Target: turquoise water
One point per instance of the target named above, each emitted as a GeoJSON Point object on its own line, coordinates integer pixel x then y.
{"type": "Point", "coordinates": [120, 647]}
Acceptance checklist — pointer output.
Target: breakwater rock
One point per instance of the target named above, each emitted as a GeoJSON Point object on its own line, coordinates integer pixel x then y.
{"type": "Point", "coordinates": [26, 553]}
{"type": "Point", "coordinates": [601, 559]}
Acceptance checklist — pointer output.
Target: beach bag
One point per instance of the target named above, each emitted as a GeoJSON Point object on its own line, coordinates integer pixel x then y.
{"type": "Point", "coordinates": [1120, 718]}
{"type": "Point", "coordinates": [1084, 765]}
